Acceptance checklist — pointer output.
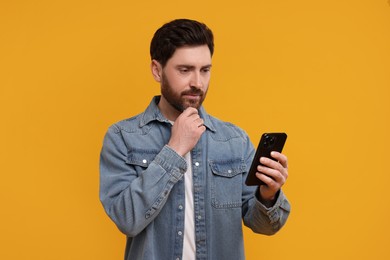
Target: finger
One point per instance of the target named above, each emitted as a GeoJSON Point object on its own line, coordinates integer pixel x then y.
{"type": "Point", "coordinates": [263, 177]}
{"type": "Point", "coordinates": [190, 111]}
{"type": "Point", "coordinates": [276, 175]}
{"type": "Point", "coordinates": [200, 122]}
{"type": "Point", "coordinates": [196, 119]}
{"type": "Point", "coordinates": [279, 165]}
{"type": "Point", "coordinates": [276, 165]}
{"type": "Point", "coordinates": [280, 158]}
{"type": "Point", "coordinates": [270, 182]}
{"type": "Point", "coordinates": [270, 163]}
{"type": "Point", "coordinates": [202, 128]}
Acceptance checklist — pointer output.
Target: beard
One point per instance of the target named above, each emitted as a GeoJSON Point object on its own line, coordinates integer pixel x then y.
{"type": "Point", "coordinates": [178, 100]}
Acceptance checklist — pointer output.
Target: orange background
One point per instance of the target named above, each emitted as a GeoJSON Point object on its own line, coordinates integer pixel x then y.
{"type": "Point", "coordinates": [318, 70]}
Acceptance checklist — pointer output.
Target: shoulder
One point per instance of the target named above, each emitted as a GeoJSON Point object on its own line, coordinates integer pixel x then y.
{"type": "Point", "coordinates": [131, 124]}
{"type": "Point", "coordinates": [226, 130]}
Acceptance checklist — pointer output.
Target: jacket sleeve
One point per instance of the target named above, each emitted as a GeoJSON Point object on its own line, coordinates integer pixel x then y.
{"type": "Point", "coordinates": [257, 216]}
{"type": "Point", "coordinates": [132, 200]}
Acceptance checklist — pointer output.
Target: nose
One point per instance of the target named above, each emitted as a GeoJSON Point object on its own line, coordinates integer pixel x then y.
{"type": "Point", "coordinates": [196, 80]}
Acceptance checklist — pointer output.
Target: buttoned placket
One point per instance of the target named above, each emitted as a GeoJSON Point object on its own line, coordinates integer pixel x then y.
{"type": "Point", "coordinates": [197, 165]}
{"type": "Point", "coordinates": [199, 180]}
{"type": "Point", "coordinates": [179, 220]}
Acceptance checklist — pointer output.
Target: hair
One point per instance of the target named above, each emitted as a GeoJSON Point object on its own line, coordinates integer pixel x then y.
{"type": "Point", "coordinates": [176, 34]}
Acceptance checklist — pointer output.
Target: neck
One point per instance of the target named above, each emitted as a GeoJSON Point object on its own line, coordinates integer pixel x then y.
{"type": "Point", "coordinates": [168, 111]}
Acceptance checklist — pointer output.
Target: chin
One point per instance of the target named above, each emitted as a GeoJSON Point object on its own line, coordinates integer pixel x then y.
{"type": "Point", "coordinates": [194, 105]}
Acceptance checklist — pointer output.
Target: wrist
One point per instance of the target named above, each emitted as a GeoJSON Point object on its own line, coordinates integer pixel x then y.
{"type": "Point", "coordinates": [177, 149]}
{"type": "Point", "coordinates": [266, 200]}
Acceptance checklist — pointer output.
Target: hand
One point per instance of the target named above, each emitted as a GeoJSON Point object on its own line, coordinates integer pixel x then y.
{"type": "Point", "coordinates": [274, 174]}
{"type": "Point", "coordinates": [186, 131]}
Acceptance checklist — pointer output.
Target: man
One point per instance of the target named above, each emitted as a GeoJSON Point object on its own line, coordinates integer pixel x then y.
{"type": "Point", "coordinates": [173, 178]}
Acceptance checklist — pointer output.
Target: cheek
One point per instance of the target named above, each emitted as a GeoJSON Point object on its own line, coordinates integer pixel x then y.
{"type": "Point", "coordinates": [174, 81]}
{"type": "Point", "coordinates": [206, 77]}
{"type": "Point", "coordinates": [179, 82]}
{"type": "Point", "coordinates": [206, 83]}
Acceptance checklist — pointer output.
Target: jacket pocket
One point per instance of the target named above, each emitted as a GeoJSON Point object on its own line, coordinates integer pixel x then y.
{"type": "Point", "coordinates": [226, 183]}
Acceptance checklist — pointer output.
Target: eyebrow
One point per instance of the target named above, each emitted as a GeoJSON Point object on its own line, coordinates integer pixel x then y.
{"type": "Point", "coordinates": [192, 67]}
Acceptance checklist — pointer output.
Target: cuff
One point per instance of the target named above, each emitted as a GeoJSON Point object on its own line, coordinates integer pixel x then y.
{"type": "Point", "coordinates": [171, 162]}
{"type": "Point", "coordinates": [273, 211]}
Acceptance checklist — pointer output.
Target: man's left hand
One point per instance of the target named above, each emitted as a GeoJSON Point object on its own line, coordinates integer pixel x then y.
{"type": "Point", "coordinates": [274, 174]}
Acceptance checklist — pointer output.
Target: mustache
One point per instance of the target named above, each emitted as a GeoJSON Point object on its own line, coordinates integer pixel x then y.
{"type": "Point", "coordinates": [193, 91]}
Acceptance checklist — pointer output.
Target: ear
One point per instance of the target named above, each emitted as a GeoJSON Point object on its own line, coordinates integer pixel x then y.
{"type": "Point", "coordinates": [156, 70]}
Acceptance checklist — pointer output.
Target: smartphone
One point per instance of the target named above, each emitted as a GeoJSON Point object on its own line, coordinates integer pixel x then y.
{"type": "Point", "coordinates": [269, 142]}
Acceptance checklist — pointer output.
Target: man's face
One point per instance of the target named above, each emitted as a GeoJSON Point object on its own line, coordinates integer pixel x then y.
{"type": "Point", "coordinates": [185, 78]}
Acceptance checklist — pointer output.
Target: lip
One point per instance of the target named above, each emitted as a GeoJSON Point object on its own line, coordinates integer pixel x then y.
{"type": "Point", "coordinates": [192, 96]}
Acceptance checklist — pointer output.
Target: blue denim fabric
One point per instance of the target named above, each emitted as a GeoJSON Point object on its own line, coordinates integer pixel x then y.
{"type": "Point", "coordinates": [142, 189]}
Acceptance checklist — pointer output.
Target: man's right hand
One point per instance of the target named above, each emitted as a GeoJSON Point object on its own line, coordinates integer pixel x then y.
{"type": "Point", "coordinates": [186, 131]}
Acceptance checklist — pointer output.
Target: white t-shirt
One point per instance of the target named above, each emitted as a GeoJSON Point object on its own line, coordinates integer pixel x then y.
{"type": "Point", "coordinates": [189, 221]}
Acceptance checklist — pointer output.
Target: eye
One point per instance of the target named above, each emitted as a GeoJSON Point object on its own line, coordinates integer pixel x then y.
{"type": "Point", "coordinates": [183, 70]}
{"type": "Point", "coordinates": [206, 70]}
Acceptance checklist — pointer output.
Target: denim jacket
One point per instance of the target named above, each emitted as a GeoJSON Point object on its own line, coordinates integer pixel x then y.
{"type": "Point", "coordinates": [142, 189]}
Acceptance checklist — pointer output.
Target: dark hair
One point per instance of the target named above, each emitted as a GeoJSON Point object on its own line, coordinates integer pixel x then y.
{"type": "Point", "coordinates": [179, 33]}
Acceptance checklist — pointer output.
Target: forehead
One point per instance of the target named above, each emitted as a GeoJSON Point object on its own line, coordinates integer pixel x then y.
{"type": "Point", "coordinates": [191, 55]}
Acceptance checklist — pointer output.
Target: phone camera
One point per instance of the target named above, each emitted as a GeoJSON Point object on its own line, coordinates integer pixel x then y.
{"type": "Point", "coordinates": [269, 141]}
